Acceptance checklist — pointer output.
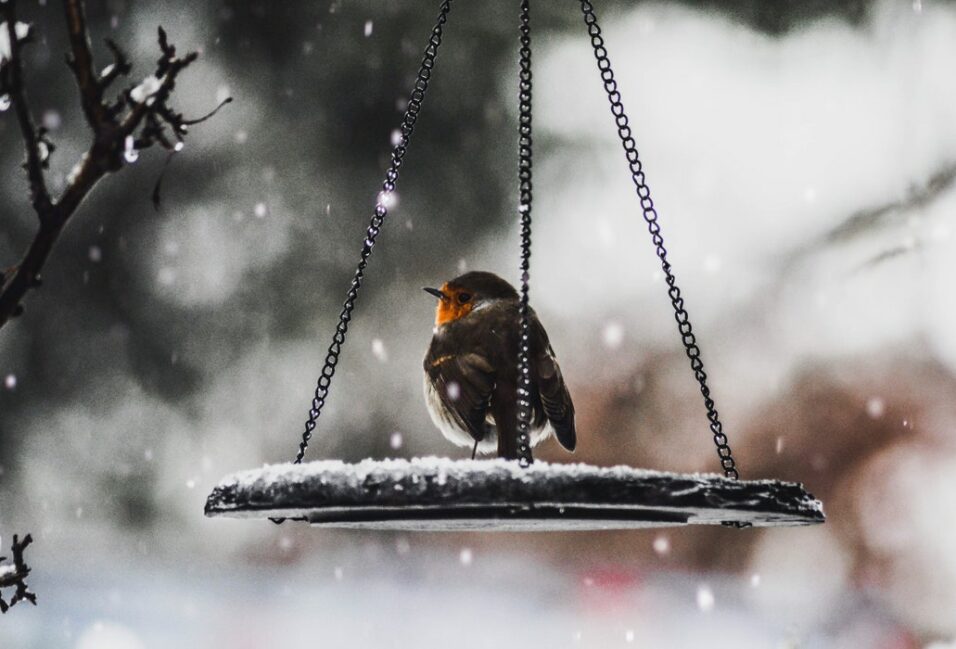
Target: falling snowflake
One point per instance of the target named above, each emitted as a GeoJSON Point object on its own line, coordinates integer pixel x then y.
{"type": "Point", "coordinates": [368, 28]}
{"type": "Point", "coordinates": [51, 120]}
{"type": "Point", "coordinates": [875, 407]}
{"type": "Point", "coordinates": [662, 545]}
{"type": "Point", "coordinates": [453, 390]}
{"type": "Point", "coordinates": [378, 350]}
{"type": "Point", "coordinates": [388, 199]}
{"type": "Point", "coordinates": [396, 441]}
{"type": "Point", "coordinates": [465, 556]}
{"type": "Point", "coordinates": [705, 598]}
{"type": "Point", "coordinates": [613, 335]}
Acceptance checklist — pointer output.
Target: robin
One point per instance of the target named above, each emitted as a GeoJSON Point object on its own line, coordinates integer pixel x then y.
{"type": "Point", "coordinates": [471, 369]}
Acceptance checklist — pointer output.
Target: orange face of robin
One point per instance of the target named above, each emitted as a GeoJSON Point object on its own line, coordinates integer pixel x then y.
{"type": "Point", "coordinates": [456, 303]}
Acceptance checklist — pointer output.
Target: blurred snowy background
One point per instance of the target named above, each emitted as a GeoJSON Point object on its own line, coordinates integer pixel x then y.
{"type": "Point", "coordinates": [803, 158]}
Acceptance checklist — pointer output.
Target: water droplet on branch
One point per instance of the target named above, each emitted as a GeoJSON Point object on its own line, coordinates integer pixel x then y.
{"type": "Point", "coordinates": [453, 390]}
{"type": "Point", "coordinates": [130, 152]}
{"type": "Point", "coordinates": [145, 90]}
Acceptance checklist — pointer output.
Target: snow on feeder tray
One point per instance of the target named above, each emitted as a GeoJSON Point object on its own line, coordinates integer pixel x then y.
{"type": "Point", "coordinates": [439, 494]}
{"type": "Point", "coordinates": [443, 494]}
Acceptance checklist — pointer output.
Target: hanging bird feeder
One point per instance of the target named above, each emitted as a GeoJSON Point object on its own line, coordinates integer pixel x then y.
{"type": "Point", "coordinates": [443, 494]}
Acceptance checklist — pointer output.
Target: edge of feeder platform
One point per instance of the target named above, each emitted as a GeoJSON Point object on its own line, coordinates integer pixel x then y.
{"type": "Point", "coordinates": [452, 495]}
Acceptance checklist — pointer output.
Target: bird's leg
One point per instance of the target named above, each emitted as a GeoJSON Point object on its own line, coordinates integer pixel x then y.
{"type": "Point", "coordinates": [474, 450]}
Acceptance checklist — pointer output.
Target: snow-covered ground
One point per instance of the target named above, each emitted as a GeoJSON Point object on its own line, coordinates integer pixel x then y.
{"type": "Point", "coordinates": [403, 591]}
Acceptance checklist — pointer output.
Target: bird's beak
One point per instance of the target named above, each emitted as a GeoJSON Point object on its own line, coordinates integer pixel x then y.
{"type": "Point", "coordinates": [437, 293]}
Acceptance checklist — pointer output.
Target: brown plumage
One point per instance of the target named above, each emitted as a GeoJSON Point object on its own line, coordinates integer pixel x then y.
{"type": "Point", "coordinates": [471, 369]}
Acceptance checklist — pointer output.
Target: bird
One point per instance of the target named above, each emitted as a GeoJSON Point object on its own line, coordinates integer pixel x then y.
{"type": "Point", "coordinates": [471, 369]}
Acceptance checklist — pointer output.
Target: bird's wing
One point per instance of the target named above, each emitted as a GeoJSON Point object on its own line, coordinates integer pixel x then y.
{"type": "Point", "coordinates": [555, 398]}
{"type": "Point", "coordinates": [464, 384]}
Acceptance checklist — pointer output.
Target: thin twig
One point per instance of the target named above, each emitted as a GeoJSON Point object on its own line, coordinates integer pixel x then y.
{"type": "Point", "coordinates": [81, 62]}
{"type": "Point", "coordinates": [39, 196]}
{"type": "Point", "coordinates": [15, 575]}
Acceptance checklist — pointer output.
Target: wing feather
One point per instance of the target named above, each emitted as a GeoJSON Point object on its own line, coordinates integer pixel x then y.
{"type": "Point", "coordinates": [464, 384]}
{"type": "Point", "coordinates": [555, 398]}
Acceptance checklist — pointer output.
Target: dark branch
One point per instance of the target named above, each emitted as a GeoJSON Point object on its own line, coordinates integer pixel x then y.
{"type": "Point", "coordinates": [81, 62]}
{"type": "Point", "coordinates": [15, 575]}
{"type": "Point", "coordinates": [139, 118]}
{"type": "Point", "coordinates": [12, 84]}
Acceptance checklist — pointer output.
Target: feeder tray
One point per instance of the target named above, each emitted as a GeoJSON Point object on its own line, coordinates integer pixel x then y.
{"type": "Point", "coordinates": [435, 494]}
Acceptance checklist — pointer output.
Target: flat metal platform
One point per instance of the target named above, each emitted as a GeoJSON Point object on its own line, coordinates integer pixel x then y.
{"type": "Point", "coordinates": [438, 494]}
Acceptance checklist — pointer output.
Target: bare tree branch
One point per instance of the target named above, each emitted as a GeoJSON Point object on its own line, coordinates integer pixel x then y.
{"type": "Point", "coordinates": [137, 119]}
{"type": "Point", "coordinates": [15, 575]}
{"type": "Point", "coordinates": [12, 84]}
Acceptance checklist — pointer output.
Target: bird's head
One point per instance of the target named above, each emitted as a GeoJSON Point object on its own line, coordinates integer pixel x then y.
{"type": "Point", "coordinates": [462, 295]}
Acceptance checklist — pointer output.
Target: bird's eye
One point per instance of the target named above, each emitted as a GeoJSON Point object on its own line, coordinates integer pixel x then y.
{"type": "Point", "coordinates": [464, 297]}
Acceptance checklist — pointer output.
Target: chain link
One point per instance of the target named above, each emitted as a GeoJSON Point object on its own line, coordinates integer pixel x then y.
{"type": "Point", "coordinates": [650, 217]}
{"type": "Point", "coordinates": [525, 457]}
{"type": "Point", "coordinates": [415, 100]}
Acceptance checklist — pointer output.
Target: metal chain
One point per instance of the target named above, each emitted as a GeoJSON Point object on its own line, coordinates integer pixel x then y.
{"type": "Point", "coordinates": [371, 234]}
{"type": "Point", "coordinates": [650, 216]}
{"type": "Point", "coordinates": [524, 210]}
